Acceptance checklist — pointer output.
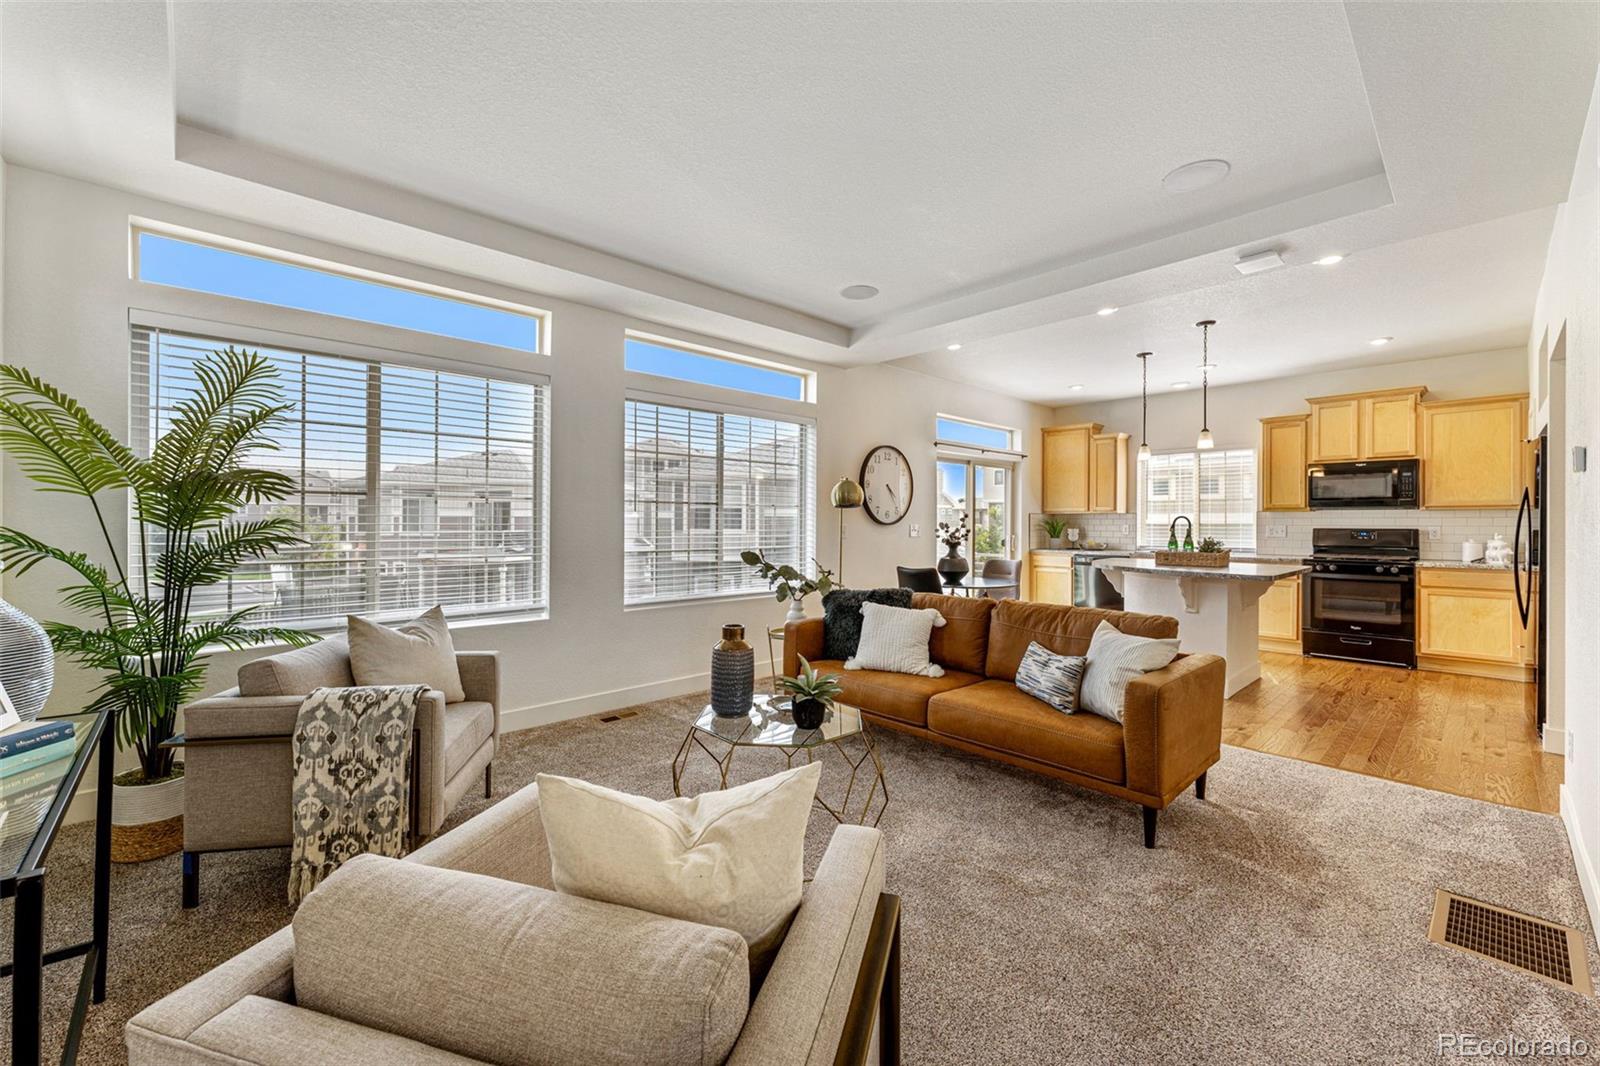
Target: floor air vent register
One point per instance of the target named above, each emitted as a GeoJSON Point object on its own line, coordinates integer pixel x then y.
{"type": "Point", "coordinates": [1543, 949]}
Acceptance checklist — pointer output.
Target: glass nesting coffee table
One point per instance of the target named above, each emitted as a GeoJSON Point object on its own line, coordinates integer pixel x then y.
{"type": "Point", "coordinates": [769, 724]}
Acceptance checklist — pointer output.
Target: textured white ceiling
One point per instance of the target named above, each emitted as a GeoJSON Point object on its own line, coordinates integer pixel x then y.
{"type": "Point", "coordinates": [993, 168]}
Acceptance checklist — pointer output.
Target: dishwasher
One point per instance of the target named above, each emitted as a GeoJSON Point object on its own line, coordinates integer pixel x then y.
{"type": "Point", "coordinates": [1091, 587]}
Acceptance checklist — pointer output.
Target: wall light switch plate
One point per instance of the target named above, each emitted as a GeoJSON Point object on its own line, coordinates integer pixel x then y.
{"type": "Point", "coordinates": [1434, 532]}
{"type": "Point", "coordinates": [916, 530]}
{"type": "Point", "coordinates": [1277, 532]}
{"type": "Point", "coordinates": [1580, 458]}
{"type": "Point", "coordinates": [1126, 528]}
{"type": "Point", "coordinates": [1569, 743]}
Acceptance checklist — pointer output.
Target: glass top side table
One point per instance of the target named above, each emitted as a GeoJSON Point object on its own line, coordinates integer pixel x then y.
{"type": "Point", "coordinates": [769, 724]}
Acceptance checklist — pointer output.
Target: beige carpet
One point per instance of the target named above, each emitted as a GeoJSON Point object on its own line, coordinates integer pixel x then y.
{"type": "Point", "coordinates": [1283, 920]}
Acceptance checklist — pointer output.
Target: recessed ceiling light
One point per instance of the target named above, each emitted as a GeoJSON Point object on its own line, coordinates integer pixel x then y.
{"type": "Point", "coordinates": [952, 347]}
{"type": "Point", "coordinates": [1329, 260]}
{"type": "Point", "coordinates": [1200, 174]}
{"type": "Point", "coordinates": [1206, 366]}
{"type": "Point", "coordinates": [1106, 311]}
{"type": "Point", "coordinates": [1074, 388]}
{"type": "Point", "coordinates": [858, 292]}
{"type": "Point", "coordinates": [1379, 342]}
{"type": "Point", "coordinates": [1180, 384]}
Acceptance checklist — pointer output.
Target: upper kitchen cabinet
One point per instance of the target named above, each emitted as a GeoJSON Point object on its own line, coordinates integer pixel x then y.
{"type": "Point", "coordinates": [1364, 425]}
{"type": "Point", "coordinates": [1283, 463]}
{"type": "Point", "coordinates": [1473, 452]}
{"type": "Point", "coordinates": [1067, 464]}
{"type": "Point", "coordinates": [1108, 480]}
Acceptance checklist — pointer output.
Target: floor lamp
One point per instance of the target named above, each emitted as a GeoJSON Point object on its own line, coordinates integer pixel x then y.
{"type": "Point", "coordinates": [846, 495]}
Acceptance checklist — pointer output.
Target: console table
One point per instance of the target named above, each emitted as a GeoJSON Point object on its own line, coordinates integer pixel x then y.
{"type": "Point", "coordinates": [33, 804]}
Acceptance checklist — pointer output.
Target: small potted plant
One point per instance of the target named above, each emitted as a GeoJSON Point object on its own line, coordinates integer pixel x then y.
{"type": "Point", "coordinates": [813, 694]}
{"type": "Point", "coordinates": [788, 584]}
{"type": "Point", "coordinates": [1053, 529]}
{"type": "Point", "coordinates": [954, 565]}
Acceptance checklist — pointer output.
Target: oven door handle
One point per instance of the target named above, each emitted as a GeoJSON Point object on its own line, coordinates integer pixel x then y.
{"type": "Point", "coordinates": [1392, 579]}
{"type": "Point", "coordinates": [1353, 640]}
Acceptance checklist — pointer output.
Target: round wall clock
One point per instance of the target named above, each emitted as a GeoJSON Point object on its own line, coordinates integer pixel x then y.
{"type": "Point", "coordinates": [886, 482]}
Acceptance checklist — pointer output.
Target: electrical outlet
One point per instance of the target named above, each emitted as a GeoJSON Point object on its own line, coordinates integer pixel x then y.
{"type": "Point", "coordinates": [1569, 744]}
{"type": "Point", "coordinates": [1126, 529]}
{"type": "Point", "coordinates": [1277, 532]}
{"type": "Point", "coordinates": [1434, 532]}
{"type": "Point", "coordinates": [916, 530]}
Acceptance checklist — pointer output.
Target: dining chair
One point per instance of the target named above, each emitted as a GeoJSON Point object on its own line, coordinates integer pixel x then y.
{"type": "Point", "coordinates": [919, 578]}
{"type": "Point", "coordinates": [1006, 568]}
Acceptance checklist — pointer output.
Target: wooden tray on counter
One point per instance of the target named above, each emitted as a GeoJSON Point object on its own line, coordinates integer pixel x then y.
{"type": "Point", "coordinates": [1207, 559]}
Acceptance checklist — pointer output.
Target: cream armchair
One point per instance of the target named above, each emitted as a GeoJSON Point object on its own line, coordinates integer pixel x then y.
{"type": "Point", "coordinates": [238, 765]}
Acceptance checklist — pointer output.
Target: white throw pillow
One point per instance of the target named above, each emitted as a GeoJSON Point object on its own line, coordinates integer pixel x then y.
{"type": "Point", "coordinates": [732, 859]}
{"type": "Point", "coordinates": [418, 652]}
{"type": "Point", "coordinates": [1114, 659]}
{"type": "Point", "coordinates": [896, 639]}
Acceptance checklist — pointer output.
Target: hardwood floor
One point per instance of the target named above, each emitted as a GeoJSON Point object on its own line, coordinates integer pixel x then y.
{"type": "Point", "coordinates": [1471, 736]}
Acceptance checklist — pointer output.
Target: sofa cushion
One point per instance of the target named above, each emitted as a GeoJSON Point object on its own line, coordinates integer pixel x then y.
{"type": "Point", "coordinates": [903, 697]}
{"type": "Point", "coordinates": [467, 725]}
{"type": "Point", "coordinates": [268, 1032]}
{"type": "Point", "coordinates": [841, 617]}
{"type": "Point", "coordinates": [963, 641]}
{"type": "Point", "coordinates": [1063, 630]}
{"type": "Point", "coordinates": [418, 652]}
{"type": "Point", "coordinates": [896, 639]}
{"type": "Point", "coordinates": [998, 715]}
{"type": "Point", "coordinates": [508, 973]}
{"type": "Point", "coordinates": [325, 664]}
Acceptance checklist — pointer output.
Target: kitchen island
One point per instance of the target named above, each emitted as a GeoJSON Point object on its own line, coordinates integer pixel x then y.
{"type": "Point", "coordinates": [1215, 606]}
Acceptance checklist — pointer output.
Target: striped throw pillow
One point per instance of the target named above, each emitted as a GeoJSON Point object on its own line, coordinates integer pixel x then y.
{"type": "Point", "coordinates": [1116, 658]}
{"type": "Point", "coordinates": [1053, 678]}
{"type": "Point", "coordinates": [896, 639]}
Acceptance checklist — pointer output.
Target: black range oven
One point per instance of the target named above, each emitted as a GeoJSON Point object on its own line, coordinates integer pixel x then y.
{"type": "Point", "coordinates": [1359, 600]}
{"type": "Point", "coordinates": [1377, 483]}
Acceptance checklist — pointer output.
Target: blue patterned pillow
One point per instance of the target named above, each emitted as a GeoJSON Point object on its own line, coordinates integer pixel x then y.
{"type": "Point", "coordinates": [1053, 678]}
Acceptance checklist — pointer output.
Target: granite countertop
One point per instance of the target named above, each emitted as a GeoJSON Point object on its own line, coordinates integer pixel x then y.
{"type": "Point", "coordinates": [1450, 564]}
{"type": "Point", "coordinates": [1146, 553]}
{"type": "Point", "coordinates": [1252, 571]}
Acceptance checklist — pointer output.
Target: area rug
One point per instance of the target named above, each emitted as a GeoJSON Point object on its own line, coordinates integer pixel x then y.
{"type": "Point", "coordinates": [1282, 920]}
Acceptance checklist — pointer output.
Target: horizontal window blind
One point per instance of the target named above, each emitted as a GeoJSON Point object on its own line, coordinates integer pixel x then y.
{"type": "Point", "coordinates": [414, 487]}
{"type": "Point", "coordinates": [701, 486]}
{"type": "Point", "coordinates": [1215, 489]}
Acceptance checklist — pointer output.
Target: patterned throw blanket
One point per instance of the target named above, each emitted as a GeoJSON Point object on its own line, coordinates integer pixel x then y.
{"type": "Point", "coordinates": [352, 752]}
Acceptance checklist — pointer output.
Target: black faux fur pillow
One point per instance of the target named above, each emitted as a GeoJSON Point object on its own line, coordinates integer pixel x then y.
{"type": "Point", "coordinates": [841, 617]}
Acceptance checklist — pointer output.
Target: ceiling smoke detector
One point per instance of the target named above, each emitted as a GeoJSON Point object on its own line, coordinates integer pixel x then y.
{"type": "Point", "coordinates": [1256, 262]}
{"type": "Point", "coordinates": [858, 292]}
{"type": "Point", "coordinates": [1192, 177]}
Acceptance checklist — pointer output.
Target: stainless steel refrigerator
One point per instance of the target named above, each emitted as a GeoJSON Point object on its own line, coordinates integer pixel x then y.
{"type": "Point", "coordinates": [1533, 534]}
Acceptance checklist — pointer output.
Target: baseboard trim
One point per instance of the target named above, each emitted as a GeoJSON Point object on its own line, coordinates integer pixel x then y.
{"type": "Point", "coordinates": [1555, 741]}
{"type": "Point", "coordinates": [597, 702]}
{"type": "Point", "coordinates": [1580, 855]}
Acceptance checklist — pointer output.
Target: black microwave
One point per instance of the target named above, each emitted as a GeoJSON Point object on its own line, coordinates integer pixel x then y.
{"type": "Point", "coordinates": [1376, 483]}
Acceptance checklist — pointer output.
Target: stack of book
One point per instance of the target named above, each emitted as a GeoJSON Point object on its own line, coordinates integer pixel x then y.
{"type": "Point", "coordinates": [26, 746]}
{"type": "Point", "coordinates": [28, 781]}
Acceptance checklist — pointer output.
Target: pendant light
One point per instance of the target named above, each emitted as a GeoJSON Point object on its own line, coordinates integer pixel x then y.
{"type": "Point", "coordinates": [1205, 441]}
{"type": "Point", "coordinates": [1144, 404]}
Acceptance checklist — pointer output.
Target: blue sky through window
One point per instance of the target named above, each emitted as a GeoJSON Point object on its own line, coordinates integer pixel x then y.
{"type": "Point", "coordinates": [663, 361]}
{"type": "Point", "coordinates": [185, 265]}
{"type": "Point", "coordinates": [956, 430]}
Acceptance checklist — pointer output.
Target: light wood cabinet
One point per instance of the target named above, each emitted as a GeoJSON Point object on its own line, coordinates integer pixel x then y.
{"type": "Point", "coordinates": [1283, 463]}
{"type": "Point", "coordinates": [1050, 577]}
{"type": "Point", "coordinates": [1279, 613]}
{"type": "Point", "coordinates": [1468, 623]}
{"type": "Point", "coordinates": [1473, 452]}
{"type": "Point", "coordinates": [1335, 430]}
{"type": "Point", "coordinates": [1364, 425]}
{"type": "Point", "coordinates": [1108, 481]}
{"type": "Point", "coordinates": [1067, 467]}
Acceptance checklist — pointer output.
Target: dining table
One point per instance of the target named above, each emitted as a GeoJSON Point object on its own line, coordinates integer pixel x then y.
{"type": "Point", "coordinates": [971, 585]}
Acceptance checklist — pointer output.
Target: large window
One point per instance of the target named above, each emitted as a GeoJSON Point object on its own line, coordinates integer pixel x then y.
{"type": "Point", "coordinates": [415, 486]}
{"type": "Point", "coordinates": [703, 485]}
{"type": "Point", "coordinates": [164, 260]}
{"type": "Point", "coordinates": [1216, 490]}
{"type": "Point", "coordinates": [949, 430]}
{"type": "Point", "coordinates": [646, 355]}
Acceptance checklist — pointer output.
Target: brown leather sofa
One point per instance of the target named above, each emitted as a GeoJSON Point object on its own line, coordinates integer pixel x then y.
{"type": "Point", "coordinates": [1171, 731]}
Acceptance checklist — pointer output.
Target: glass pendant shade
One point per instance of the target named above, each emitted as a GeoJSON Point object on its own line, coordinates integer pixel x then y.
{"type": "Point", "coordinates": [1205, 440]}
{"type": "Point", "coordinates": [1144, 452]}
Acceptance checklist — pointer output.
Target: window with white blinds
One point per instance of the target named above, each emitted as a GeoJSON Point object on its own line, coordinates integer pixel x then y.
{"type": "Point", "coordinates": [414, 487]}
{"type": "Point", "coordinates": [701, 486]}
{"type": "Point", "coordinates": [1215, 489]}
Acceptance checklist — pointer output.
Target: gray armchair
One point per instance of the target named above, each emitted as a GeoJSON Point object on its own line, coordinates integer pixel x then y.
{"type": "Point", "coordinates": [238, 764]}
{"type": "Point", "coordinates": [1006, 568]}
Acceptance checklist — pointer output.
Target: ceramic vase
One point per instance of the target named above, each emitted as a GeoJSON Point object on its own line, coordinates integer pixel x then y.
{"type": "Point", "coordinates": [809, 714]}
{"type": "Point", "coordinates": [733, 673]}
{"type": "Point", "coordinates": [954, 566]}
{"type": "Point", "coordinates": [27, 667]}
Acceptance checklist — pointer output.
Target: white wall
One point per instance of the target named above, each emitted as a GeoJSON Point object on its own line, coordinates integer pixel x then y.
{"type": "Point", "coordinates": [68, 319]}
{"type": "Point", "coordinates": [1566, 328]}
{"type": "Point", "coordinates": [1236, 410]}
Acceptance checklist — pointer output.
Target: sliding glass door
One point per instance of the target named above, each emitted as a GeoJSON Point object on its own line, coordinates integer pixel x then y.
{"type": "Point", "coordinates": [981, 491]}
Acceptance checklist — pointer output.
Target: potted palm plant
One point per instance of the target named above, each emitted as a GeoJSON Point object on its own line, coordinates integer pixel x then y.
{"type": "Point", "coordinates": [134, 623]}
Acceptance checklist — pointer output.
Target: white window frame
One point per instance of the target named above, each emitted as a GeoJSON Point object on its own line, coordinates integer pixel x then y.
{"type": "Point", "coordinates": [1141, 486]}
{"type": "Point", "coordinates": [250, 335]}
{"type": "Point", "coordinates": [779, 410]}
{"type": "Point", "coordinates": [807, 378]}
